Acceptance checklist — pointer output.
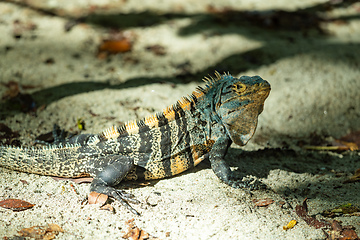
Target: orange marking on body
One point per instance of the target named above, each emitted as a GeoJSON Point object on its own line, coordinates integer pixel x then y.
{"type": "Point", "coordinates": [154, 172]}
{"type": "Point", "coordinates": [132, 127]}
{"type": "Point", "coordinates": [149, 176]}
{"type": "Point", "coordinates": [179, 164]}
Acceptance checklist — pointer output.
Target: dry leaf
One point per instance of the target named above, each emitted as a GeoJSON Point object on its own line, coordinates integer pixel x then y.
{"type": "Point", "coordinates": [16, 204]}
{"type": "Point", "coordinates": [41, 232]}
{"type": "Point", "coordinates": [343, 145]}
{"type": "Point", "coordinates": [353, 137]}
{"type": "Point", "coordinates": [97, 198]}
{"type": "Point", "coordinates": [135, 233]}
{"type": "Point", "coordinates": [108, 207]}
{"type": "Point", "coordinates": [348, 234]}
{"type": "Point", "coordinates": [355, 177]}
{"type": "Point", "coordinates": [340, 210]}
{"type": "Point", "coordinates": [349, 142]}
{"type": "Point", "coordinates": [24, 181]}
{"type": "Point", "coordinates": [75, 180]}
{"type": "Point", "coordinates": [302, 211]}
{"type": "Point", "coordinates": [54, 227]}
{"type": "Point", "coordinates": [339, 232]}
{"type": "Point", "coordinates": [263, 202]}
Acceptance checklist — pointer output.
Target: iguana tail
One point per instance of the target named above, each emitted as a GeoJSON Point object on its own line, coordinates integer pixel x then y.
{"type": "Point", "coordinates": [59, 160]}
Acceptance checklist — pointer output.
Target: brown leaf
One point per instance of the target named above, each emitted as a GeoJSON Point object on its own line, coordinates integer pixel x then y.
{"type": "Point", "coordinates": [82, 180]}
{"type": "Point", "coordinates": [344, 146]}
{"type": "Point", "coordinates": [33, 232]}
{"type": "Point", "coordinates": [339, 232]}
{"type": "Point", "coordinates": [302, 211]}
{"type": "Point", "coordinates": [16, 204]}
{"type": "Point", "coordinates": [49, 236]}
{"type": "Point", "coordinates": [108, 207]}
{"type": "Point", "coordinates": [340, 210]}
{"type": "Point", "coordinates": [24, 181]}
{"type": "Point", "coordinates": [143, 235]}
{"type": "Point", "coordinates": [135, 233]}
{"type": "Point", "coordinates": [263, 202]}
{"type": "Point", "coordinates": [41, 232]}
{"type": "Point", "coordinates": [355, 177]}
{"type": "Point", "coordinates": [348, 234]}
{"type": "Point", "coordinates": [353, 137]}
{"type": "Point", "coordinates": [335, 225]}
{"type": "Point", "coordinates": [54, 228]}
{"type": "Point", "coordinates": [75, 180]}
{"type": "Point", "coordinates": [349, 142]}
{"type": "Point", "coordinates": [97, 198]}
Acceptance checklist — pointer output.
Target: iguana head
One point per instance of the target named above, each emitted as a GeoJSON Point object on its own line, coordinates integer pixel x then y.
{"type": "Point", "coordinates": [239, 103]}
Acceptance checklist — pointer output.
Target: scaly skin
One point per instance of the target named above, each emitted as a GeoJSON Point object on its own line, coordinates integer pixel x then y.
{"type": "Point", "coordinates": [200, 126]}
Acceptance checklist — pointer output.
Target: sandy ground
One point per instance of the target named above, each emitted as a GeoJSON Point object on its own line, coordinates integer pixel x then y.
{"type": "Point", "coordinates": [313, 67]}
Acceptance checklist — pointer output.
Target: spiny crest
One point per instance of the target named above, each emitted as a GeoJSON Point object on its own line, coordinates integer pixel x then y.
{"type": "Point", "coordinates": [210, 80]}
{"type": "Point", "coordinates": [59, 146]}
{"type": "Point", "coordinates": [197, 93]}
{"type": "Point", "coordinates": [131, 127]}
{"type": "Point", "coordinates": [168, 113]}
{"type": "Point", "coordinates": [184, 103]}
{"type": "Point", "coordinates": [111, 132]}
{"type": "Point", "coordinates": [151, 121]}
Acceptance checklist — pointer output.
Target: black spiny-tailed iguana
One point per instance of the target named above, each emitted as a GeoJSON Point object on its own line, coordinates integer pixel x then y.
{"type": "Point", "coordinates": [200, 126]}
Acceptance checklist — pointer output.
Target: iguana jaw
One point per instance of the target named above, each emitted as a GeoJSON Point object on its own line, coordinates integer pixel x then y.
{"type": "Point", "coordinates": [241, 125]}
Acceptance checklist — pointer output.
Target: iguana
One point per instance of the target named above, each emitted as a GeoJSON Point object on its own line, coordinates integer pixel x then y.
{"type": "Point", "coordinates": [200, 126]}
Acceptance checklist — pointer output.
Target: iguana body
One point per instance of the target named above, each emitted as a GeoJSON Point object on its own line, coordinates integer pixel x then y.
{"type": "Point", "coordinates": [200, 126]}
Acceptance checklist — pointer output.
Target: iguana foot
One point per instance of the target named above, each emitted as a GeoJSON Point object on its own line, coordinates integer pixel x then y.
{"type": "Point", "coordinates": [120, 195]}
{"type": "Point", "coordinates": [124, 197]}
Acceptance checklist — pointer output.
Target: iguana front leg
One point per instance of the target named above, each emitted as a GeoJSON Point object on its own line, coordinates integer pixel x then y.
{"type": "Point", "coordinates": [223, 171]}
{"type": "Point", "coordinates": [111, 170]}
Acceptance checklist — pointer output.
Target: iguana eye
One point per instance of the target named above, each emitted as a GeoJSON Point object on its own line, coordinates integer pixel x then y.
{"type": "Point", "coordinates": [239, 87]}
